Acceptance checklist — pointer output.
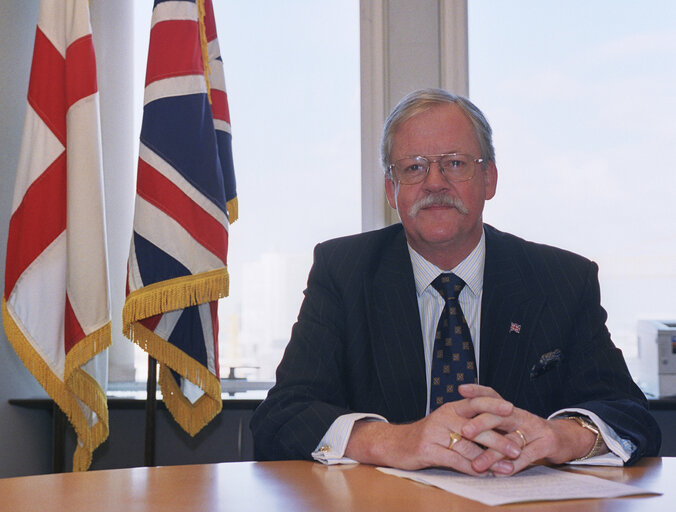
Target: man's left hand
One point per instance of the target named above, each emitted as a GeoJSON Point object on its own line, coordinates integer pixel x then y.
{"type": "Point", "coordinates": [555, 441]}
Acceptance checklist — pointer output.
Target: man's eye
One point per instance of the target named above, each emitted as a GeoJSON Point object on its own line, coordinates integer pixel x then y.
{"type": "Point", "coordinates": [414, 168]}
{"type": "Point", "coordinates": [453, 164]}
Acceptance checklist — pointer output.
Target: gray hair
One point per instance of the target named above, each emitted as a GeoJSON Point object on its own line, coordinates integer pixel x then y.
{"type": "Point", "coordinates": [421, 100]}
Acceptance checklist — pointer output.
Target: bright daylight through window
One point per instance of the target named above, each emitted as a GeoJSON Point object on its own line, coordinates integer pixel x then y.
{"type": "Point", "coordinates": [581, 98]}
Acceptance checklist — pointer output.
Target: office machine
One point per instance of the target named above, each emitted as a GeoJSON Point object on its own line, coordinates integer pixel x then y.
{"type": "Point", "coordinates": [657, 357]}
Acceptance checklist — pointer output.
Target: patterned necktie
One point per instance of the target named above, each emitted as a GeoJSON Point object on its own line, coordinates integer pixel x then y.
{"type": "Point", "coordinates": [453, 361]}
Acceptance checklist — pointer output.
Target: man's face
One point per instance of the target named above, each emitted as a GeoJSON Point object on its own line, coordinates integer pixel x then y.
{"type": "Point", "coordinates": [440, 130]}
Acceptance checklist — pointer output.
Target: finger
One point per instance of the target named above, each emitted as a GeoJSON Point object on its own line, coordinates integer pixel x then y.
{"type": "Point", "coordinates": [500, 448]}
{"type": "Point", "coordinates": [494, 462]}
{"type": "Point", "coordinates": [529, 455]}
{"type": "Point", "coordinates": [443, 457]}
{"type": "Point", "coordinates": [531, 452]}
{"type": "Point", "coordinates": [467, 449]}
{"type": "Point", "coordinates": [477, 390]}
{"type": "Point", "coordinates": [488, 420]}
{"type": "Point", "coordinates": [493, 440]}
{"type": "Point", "coordinates": [469, 408]}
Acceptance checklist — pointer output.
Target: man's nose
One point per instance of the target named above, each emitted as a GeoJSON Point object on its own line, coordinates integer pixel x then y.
{"type": "Point", "coordinates": [435, 176]}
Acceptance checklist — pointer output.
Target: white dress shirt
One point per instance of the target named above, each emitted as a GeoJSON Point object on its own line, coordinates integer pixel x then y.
{"type": "Point", "coordinates": [331, 448]}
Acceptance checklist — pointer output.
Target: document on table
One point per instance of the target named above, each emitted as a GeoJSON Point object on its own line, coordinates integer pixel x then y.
{"type": "Point", "coordinates": [538, 483]}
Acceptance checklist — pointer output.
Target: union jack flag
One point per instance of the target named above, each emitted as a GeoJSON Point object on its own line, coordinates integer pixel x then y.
{"type": "Point", "coordinates": [55, 306]}
{"type": "Point", "coordinates": [186, 199]}
{"type": "Point", "coordinates": [514, 327]}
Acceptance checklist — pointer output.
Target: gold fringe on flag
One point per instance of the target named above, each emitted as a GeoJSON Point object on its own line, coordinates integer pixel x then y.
{"type": "Point", "coordinates": [191, 417]}
{"type": "Point", "coordinates": [203, 43]}
{"type": "Point", "coordinates": [233, 210]}
{"type": "Point", "coordinates": [162, 297]}
{"type": "Point", "coordinates": [77, 385]}
{"type": "Point", "coordinates": [88, 390]}
{"type": "Point", "coordinates": [172, 294]}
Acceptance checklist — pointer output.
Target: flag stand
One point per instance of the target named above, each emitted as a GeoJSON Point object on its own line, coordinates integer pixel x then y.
{"type": "Point", "coordinates": [151, 409]}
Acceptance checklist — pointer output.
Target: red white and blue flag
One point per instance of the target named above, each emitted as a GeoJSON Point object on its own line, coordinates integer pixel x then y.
{"type": "Point", "coordinates": [55, 307]}
{"type": "Point", "coordinates": [185, 201]}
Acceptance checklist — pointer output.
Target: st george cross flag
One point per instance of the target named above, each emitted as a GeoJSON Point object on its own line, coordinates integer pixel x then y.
{"type": "Point", "coordinates": [185, 200]}
{"type": "Point", "coordinates": [55, 305]}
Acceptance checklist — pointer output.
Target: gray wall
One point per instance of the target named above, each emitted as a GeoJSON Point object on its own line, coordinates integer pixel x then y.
{"type": "Point", "coordinates": [25, 442]}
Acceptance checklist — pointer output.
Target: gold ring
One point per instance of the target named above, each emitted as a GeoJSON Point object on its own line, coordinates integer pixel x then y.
{"type": "Point", "coordinates": [523, 438]}
{"type": "Point", "coordinates": [455, 437]}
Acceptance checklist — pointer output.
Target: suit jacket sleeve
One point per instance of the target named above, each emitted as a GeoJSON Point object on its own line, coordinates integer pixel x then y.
{"type": "Point", "coordinates": [600, 381]}
{"type": "Point", "coordinates": [309, 392]}
{"type": "Point", "coordinates": [356, 347]}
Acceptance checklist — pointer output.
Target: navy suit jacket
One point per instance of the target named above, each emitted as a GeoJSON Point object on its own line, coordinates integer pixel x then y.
{"type": "Point", "coordinates": [357, 345]}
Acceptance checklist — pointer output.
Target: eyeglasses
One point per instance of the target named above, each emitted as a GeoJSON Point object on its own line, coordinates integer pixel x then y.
{"type": "Point", "coordinates": [454, 166]}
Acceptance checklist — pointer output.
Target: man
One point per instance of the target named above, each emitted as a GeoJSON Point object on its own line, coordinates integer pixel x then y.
{"type": "Point", "coordinates": [365, 375]}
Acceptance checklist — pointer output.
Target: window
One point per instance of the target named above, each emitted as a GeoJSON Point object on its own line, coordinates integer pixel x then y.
{"type": "Point", "coordinates": [292, 73]}
{"type": "Point", "coordinates": [581, 98]}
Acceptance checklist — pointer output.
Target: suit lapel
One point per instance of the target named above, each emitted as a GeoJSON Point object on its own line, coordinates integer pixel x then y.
{"type": "Point", "coordinates": [509, 314]}
{"type": "Point", "coordinates": [394, 324]}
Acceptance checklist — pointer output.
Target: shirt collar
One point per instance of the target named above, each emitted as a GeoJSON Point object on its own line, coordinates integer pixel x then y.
{"type": "Point", "coordinates": [470, 270]}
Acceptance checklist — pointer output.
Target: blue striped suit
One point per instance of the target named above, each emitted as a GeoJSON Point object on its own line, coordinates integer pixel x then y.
{"type": "Point", "coordinates": [357, 345]}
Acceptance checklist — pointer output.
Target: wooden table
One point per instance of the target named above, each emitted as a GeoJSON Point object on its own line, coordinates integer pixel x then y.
{"type": "Point", "coordinates": [294, 486]}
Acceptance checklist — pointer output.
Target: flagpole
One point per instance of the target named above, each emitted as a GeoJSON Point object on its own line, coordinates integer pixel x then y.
{"type": "Point", "coordinates": [151, 409]}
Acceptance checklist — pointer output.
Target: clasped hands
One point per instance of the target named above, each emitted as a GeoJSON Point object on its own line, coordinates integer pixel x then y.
{"type": "Point", "coordinates": [496, 438]}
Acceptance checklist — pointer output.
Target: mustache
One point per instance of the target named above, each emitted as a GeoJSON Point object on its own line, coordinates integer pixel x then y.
{"type": "Point", "coordinates": [438, 199]}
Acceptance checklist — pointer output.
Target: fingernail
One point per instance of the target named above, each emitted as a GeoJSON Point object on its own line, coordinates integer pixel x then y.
{"type": "Point", "coordinates": [479, 465]}
{"type": "Point", "coordinates": [513, 451]}
{"type": "Point", "coordinates": [503, 467]}
{"type": "Point", "coordinates": [467, 431]}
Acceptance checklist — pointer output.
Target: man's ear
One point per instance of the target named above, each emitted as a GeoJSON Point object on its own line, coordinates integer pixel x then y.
{"type": "Point", "coordinates": [391, 193]}
{"type": "Point", "coordinates": [490, 175]}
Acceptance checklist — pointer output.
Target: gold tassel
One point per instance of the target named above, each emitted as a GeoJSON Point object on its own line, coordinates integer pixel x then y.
{"type": "Point", "coordinates": [83, 385]}
{"type": "Point", "coordinates": [191, 417]}
{"type": "Point", "coordinates": [173, 294]}
{"type": "Point", "coordinates": [88, 347]}
{"type": "Point", "coordinates": [203, 43]}
{"type": "Point", "coordinates": [233, 210]}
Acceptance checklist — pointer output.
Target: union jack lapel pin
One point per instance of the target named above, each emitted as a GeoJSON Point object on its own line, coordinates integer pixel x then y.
{"type": "Point", "coordinates": [514, 327]}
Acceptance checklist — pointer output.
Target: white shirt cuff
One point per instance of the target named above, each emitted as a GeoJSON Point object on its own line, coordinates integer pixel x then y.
{"type": "Point", "coordinates": [331, 448]}
{"type": "Point", "coordinates": [620, 449]}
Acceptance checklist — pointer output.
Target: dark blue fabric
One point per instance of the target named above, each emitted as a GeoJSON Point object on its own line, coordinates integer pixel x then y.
{"type": "Point", "coordinates": [154, 264]}
{"type": "Point", "coordinates": [189, 336]}
{"type": "Point", "coordinates": [224, 140]}
{"type": "Point", "coordinates": [180, 129]}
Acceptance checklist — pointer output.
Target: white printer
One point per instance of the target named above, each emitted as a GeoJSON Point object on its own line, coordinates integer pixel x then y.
{"type": "Point", "coordinates": [657, 357]}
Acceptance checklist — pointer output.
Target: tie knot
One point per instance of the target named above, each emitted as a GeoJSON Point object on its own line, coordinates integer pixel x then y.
{"type": "Point", "coordinates": [448, 285]}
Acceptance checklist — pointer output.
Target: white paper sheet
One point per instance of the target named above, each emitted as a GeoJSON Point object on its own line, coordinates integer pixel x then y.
{"type": "Point", "coordinates": [538, 483]}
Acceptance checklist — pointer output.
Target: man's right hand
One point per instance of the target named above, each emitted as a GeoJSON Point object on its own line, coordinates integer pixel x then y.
{"type": "Point", "coordinates": [425, 443]}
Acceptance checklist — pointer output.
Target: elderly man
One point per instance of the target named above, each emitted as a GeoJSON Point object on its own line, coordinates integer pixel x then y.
{"type": "Point", "coordinates": [442, 341]}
